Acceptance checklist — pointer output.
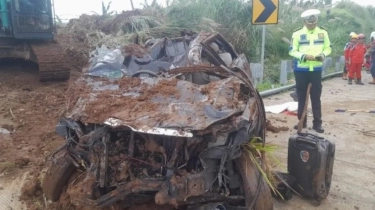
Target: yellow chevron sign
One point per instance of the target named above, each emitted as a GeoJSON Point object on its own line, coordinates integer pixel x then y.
{"type": "Point", "coordinates": [265, 12]}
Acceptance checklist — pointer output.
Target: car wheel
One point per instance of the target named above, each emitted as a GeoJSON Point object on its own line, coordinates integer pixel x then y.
{"type": "Point", "coordinates": [250, 178]}
{"type": "Point", "coordinates": [57, 177]}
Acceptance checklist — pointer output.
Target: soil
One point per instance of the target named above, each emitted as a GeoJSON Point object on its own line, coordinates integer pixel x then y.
{"type": "Point", "coordinates": [109, 102]}
{"type": "Point", "coordinates": [275, 129]}
{"type": "Point", "coordinates": [135, 50]}
{"type": "Point", "coordinates": [75, 48]}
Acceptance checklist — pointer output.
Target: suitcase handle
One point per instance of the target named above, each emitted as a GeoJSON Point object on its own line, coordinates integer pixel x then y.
{"type": "Point", "coordinates": [309, 134]}
{"type": "Point", "coordinates": [310, 143]}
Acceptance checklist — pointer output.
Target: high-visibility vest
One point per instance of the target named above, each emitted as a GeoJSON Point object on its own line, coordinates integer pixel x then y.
{"type": "Point", "coordinates": [310, 42]}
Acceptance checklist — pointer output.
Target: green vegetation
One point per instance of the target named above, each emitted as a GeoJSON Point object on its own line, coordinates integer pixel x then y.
{"type": "Point", "coordinates": [232, 18]}
{"type": "Point", "coordinates": [106, 9]}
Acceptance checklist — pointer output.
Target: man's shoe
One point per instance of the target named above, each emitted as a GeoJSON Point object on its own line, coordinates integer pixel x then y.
{"type": "Point", "coordinates": [350, 81]}
{"type": "Point", "coordinates": [318, 129]}
{"type": "Point", "coordinates": [294, 96]}
{"type": "Point", "coordinates": [303, 126]}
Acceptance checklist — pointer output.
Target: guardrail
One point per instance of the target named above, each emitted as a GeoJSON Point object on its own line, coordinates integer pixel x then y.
{"type": "Point", "coordinates": [286, 68]}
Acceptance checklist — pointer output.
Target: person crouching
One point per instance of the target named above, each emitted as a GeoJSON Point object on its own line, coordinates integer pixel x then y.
{"type": "Point", "coordinates": [356, 58]}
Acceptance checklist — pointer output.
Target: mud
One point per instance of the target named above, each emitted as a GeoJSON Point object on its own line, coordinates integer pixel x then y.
{"type": "Point", "coordinates": [158, 102]}
{"type": "Point", "coordinates": [31, 189]}
{"type": "Point", "coordinates": [275, 129]}
{"type": "Point", "coordinates": [108, 103]}
{"type": "Point", "coordinates": [135, 50]}
{"type": "Point", "coordinates": [22, 162]}
{"type": "Point", "coordinates": [75, 48]}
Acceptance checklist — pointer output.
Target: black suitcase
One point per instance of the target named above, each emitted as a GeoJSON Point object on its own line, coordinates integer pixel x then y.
{"type": "Point", "coordinates": [310, 161]}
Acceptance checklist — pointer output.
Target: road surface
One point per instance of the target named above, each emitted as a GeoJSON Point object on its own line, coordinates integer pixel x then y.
{"type": "Point", "coordinates": [353, 185]}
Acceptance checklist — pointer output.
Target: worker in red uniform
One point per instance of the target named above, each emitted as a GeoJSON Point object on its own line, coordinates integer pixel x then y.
{"type": "Point", "coordinates": [356, 58]}
{"type": "Point", "coordinates": [348, 46]}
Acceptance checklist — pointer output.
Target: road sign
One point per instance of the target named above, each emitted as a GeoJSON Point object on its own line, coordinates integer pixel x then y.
{"type": "Point", "coordinates": [265, 12]}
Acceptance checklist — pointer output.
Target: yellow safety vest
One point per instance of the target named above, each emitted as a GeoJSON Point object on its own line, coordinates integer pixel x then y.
{"type": "Point", "coordinates": [309, 42]}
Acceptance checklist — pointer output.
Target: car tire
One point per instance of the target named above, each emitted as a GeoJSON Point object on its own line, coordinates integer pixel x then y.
{"type": "Point", "coordinates": [250, 178]}
{"type": "Point", "coordinates": [57, 176]}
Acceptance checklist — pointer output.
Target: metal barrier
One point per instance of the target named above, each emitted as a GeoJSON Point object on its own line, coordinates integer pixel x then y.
{"type": "Point", "coordinates": [286, 67]}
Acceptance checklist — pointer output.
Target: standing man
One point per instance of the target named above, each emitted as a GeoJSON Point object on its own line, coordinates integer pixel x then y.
{"type": "Point", "coordinates": [310, 45]}
{"type": "Point", "coordinates": [294, 95]}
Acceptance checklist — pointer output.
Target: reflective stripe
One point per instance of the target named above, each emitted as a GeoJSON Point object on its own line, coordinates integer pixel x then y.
{"type": "Point", "coordinates": [304, 43]}
{"type": "Point", "coordinates": [315, 68]}
{"type": "Point", "coordinates": [319, 41]}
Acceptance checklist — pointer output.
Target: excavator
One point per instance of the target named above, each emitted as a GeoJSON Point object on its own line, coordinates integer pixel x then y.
{"type": "Point", "coordinates": [27, 32]}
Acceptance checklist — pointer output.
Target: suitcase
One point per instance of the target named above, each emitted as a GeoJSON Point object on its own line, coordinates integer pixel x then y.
{"type": "Point", "coordinates": [310, 161]}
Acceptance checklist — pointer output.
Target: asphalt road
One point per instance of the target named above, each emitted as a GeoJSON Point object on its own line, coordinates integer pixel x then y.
{"type": "Point", "coordinates": [353, 185]}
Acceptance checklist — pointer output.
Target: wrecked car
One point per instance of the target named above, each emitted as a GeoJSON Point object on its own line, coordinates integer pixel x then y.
{"type": "Point", "coordinates": [169, 130]}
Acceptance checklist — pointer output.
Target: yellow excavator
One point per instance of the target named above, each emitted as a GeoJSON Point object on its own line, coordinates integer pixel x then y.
{"type": "Point", "coordinates": [27, 32]}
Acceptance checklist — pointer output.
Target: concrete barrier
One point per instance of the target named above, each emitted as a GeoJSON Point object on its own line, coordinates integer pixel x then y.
{"type": "Point", "coordinates": [257, 72]}
{"type": "Point", "coordinates": [283, 80]}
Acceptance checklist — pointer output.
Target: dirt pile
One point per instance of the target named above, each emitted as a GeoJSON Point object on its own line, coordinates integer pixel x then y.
{"type": "Point", "coordinates": [30, 110]}
{"type": "Point", "coordinates": [81, 36]}
{"type": "Point", "coordinates": [109, 102]}
{"type": "Point", "coordinates": [275, 129]}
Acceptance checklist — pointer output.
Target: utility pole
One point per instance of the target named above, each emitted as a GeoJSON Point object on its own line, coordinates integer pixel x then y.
{"type": "Point", "coordinates": [131, 2]}
{"type": "Point", "coordinates": [263, 46]}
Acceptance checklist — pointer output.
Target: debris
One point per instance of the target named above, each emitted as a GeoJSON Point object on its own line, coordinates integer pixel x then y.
{"type": "Point", "coordinates": [273, 129]}
{"type": "Point", "coordinates": [8, 127]}
{"type": "Point", "coordinates": [159, 131]}
{"type": "Point", "coordinates": [22, 162]}
{"type": "Point", "coordinates": [278, 119]}
{"type": "Point", "coordinates": [353, 110]}
{"type": "Point", "coordinates": [32, 188]}
{"type": "Point", "coordinates": [107, 64]}
{"type": "Point", "coordinates": [4, 131]}
{"type": "Point", "coordinates": [368, 133]}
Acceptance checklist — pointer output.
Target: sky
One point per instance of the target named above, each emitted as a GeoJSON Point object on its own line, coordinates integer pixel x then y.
{"type": "Point", "coordinates": [67, 9]}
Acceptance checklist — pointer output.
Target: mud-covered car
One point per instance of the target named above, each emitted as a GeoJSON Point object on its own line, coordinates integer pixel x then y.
{"type": "Point", "coordinates": [171, 130]}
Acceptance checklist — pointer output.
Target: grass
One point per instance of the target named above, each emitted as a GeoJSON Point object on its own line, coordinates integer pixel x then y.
{"type": "Point", "coordinates": [255, 149]}
{"type": "Point", "coordinates": [233, 19]}
{"type": "Point", "coordinates": [266, 86]}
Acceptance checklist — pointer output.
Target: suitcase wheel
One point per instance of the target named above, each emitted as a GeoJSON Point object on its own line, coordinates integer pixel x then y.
{"type": "Point", "coordinates": [315, 202]}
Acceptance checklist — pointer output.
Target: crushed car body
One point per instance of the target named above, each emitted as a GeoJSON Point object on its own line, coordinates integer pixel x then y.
{"type": "Point", "coordinates": [168, 128]}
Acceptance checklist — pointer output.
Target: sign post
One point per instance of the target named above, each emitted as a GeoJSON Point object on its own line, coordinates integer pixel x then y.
{"type": "Point", "coordinates": [265, 12]}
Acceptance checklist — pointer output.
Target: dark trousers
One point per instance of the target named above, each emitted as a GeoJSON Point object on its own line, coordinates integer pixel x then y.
{"type": "Point", "coordinates": [302, 81]}
{"type": "Point", "coordinates": [372, 69]}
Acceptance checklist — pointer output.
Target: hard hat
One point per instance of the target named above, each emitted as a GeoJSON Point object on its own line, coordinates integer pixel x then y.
{"type": "Point", "coordinates": [354, 36]}
{"type": "Point", "coordinates": [361, 36]}
{"type": "Point", "coordinates": [351, 34]}
{"type": "Point", "coordinates": [310, 16]}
